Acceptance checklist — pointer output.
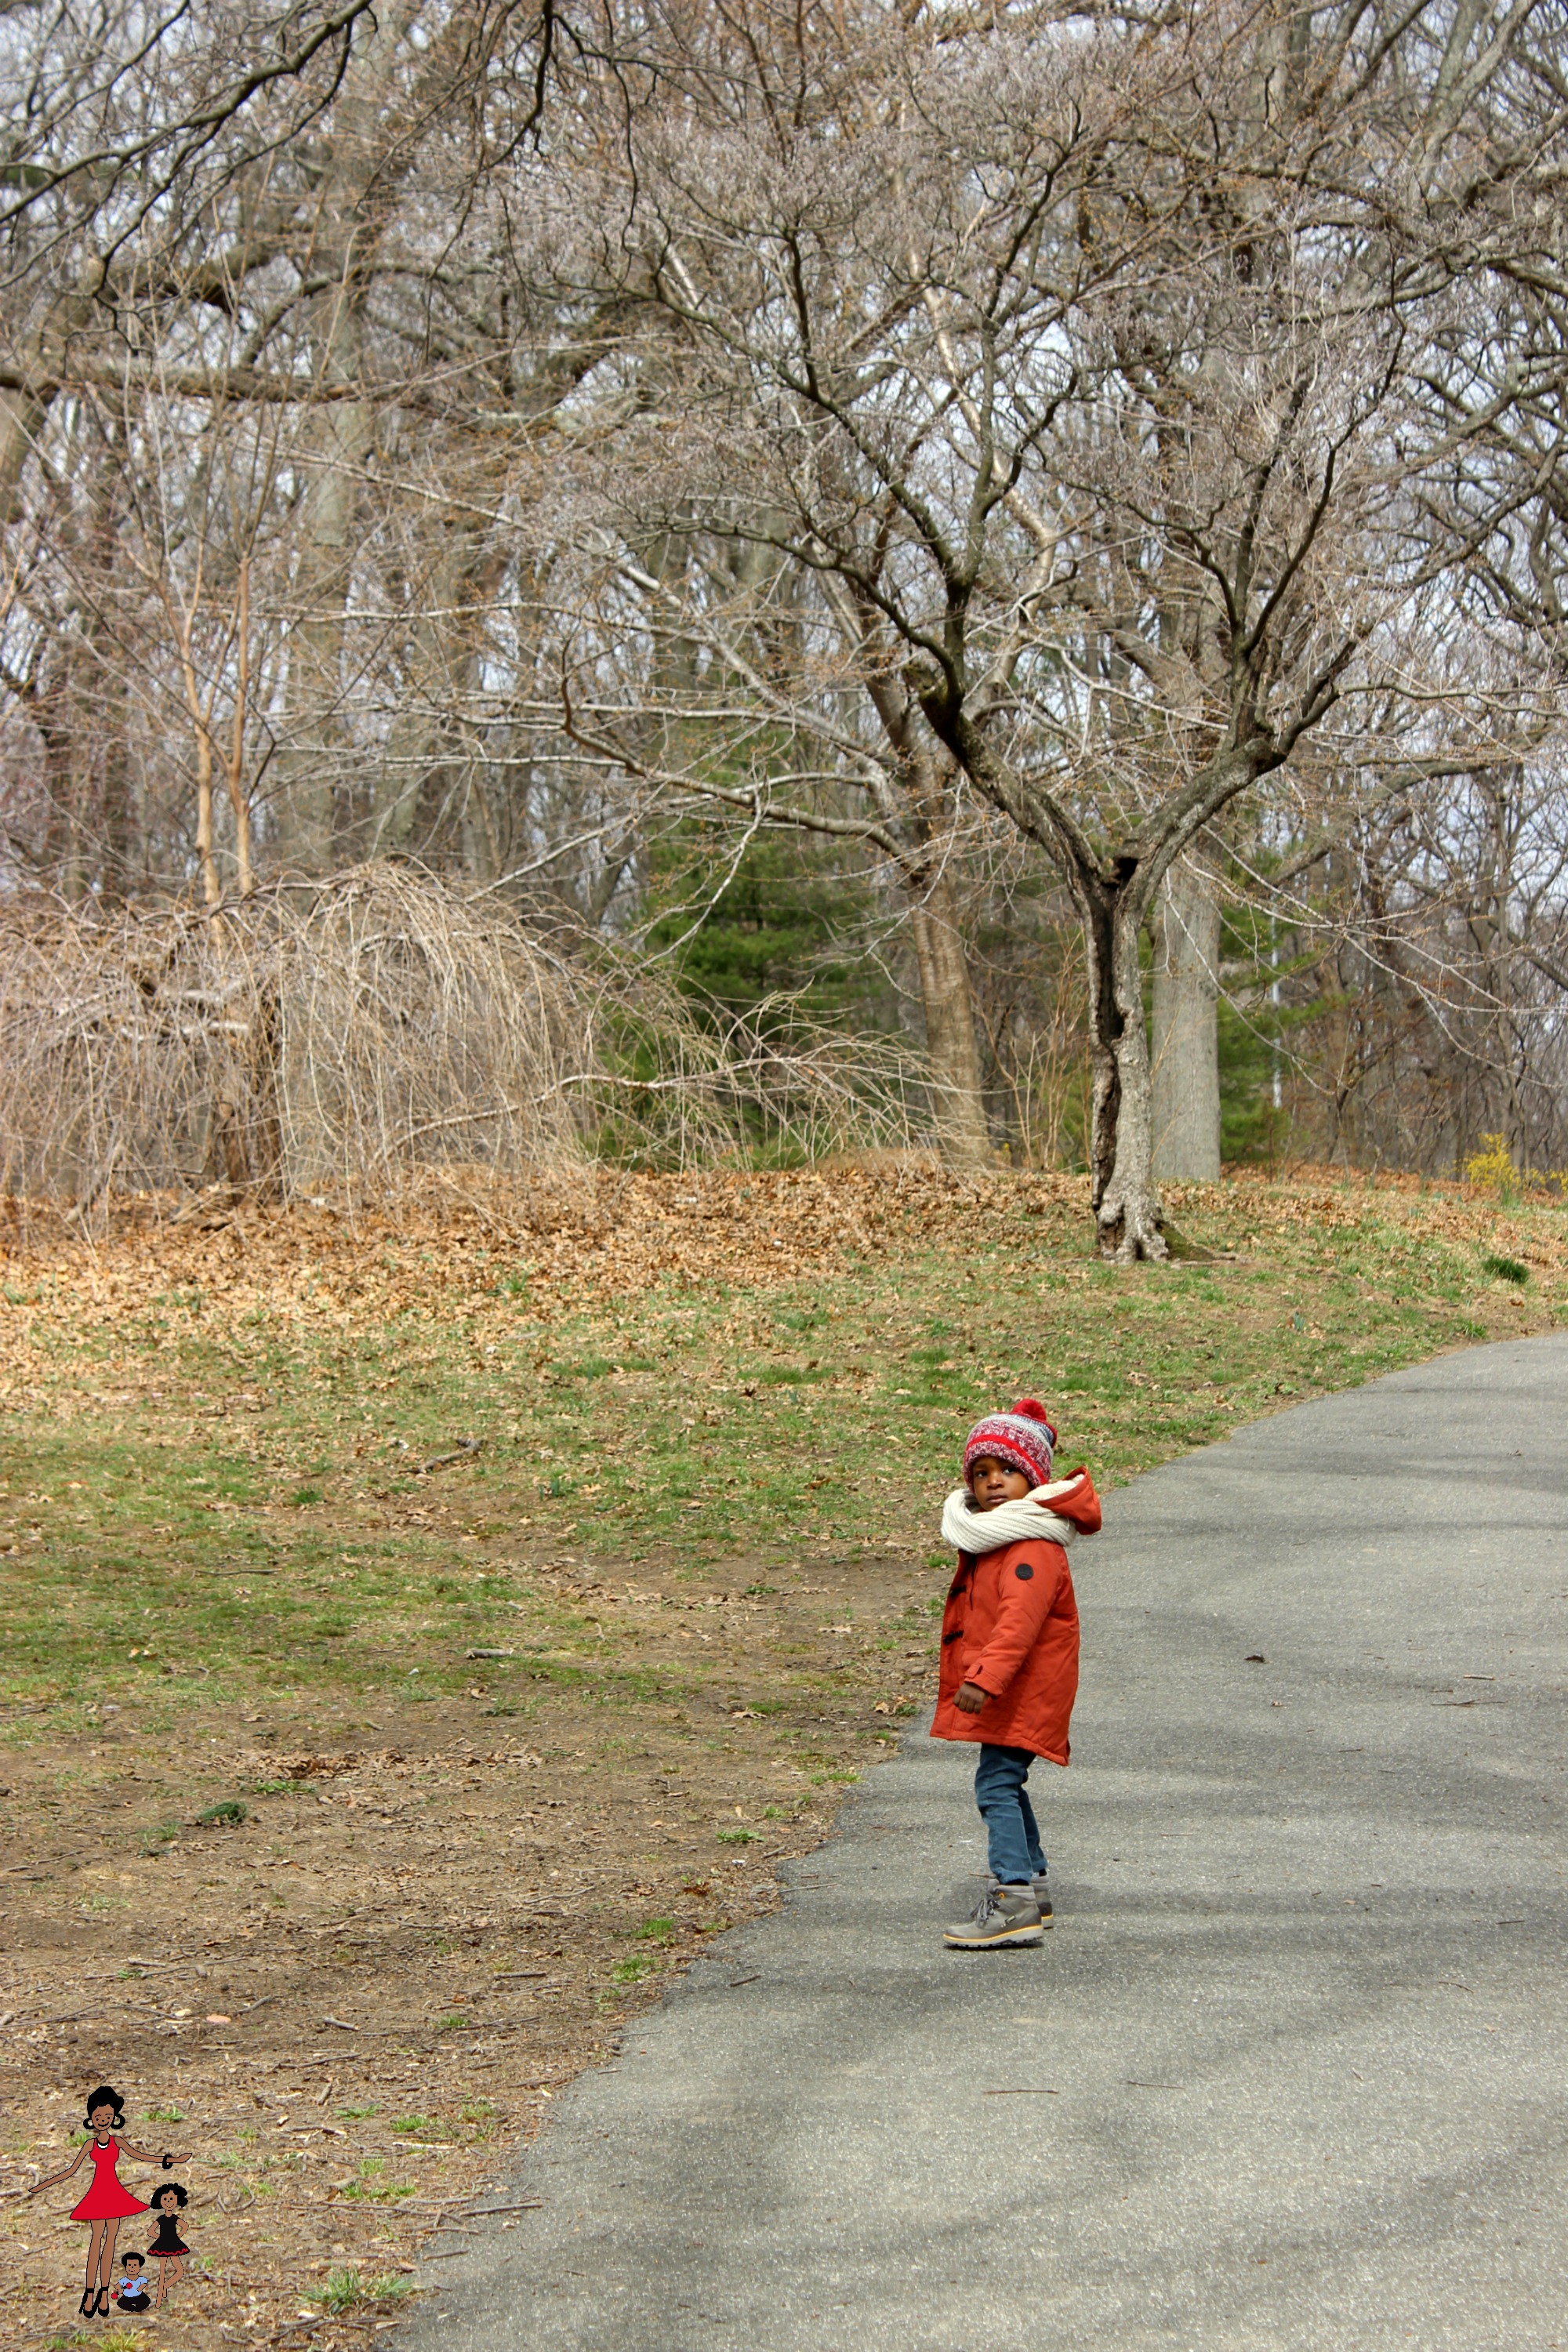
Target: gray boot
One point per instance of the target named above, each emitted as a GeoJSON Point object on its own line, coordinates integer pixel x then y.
{"type": "Point", "coordinates": [1006, 1915]}
{"type": "Point", "coordinates": [1042, 1892]}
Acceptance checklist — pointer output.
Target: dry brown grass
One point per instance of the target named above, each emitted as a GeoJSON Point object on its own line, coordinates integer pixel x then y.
{"type": "Point", "coordinates": [355, 1035]}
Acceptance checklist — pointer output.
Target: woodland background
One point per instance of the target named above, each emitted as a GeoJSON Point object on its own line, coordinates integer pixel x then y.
{"type": "Point", "coordinates": [662, 578]}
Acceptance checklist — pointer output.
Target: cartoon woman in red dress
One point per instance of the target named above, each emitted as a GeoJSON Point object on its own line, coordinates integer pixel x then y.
{"type": "Point", "coordinates": [108, 2202]}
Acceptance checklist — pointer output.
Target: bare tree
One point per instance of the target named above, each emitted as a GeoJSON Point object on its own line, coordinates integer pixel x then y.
{"type": "Point", "coordinates": [262, 218]}
{"type": "Point", "coordinates": [118, 133]}
{"type": "Point", "coordinates": [1081, 374]}
{"type": "Point", "coordinates": [1185, 1077]}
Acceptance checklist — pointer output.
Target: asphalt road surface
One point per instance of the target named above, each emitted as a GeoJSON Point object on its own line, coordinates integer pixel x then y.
{"type": "Point", "coordinates": [1292, 2068]}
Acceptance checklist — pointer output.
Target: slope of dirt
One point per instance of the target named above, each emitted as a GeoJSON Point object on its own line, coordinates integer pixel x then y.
{"type": "Point", "coordinates": [358, 1998]}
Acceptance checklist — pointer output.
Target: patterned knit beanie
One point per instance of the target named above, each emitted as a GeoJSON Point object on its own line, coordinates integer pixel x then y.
{"type": "Point", "coordinates": [1022, 1438]}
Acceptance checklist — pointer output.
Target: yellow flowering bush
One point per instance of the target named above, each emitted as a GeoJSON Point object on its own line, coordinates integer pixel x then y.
{"type": "Point", "coordinates": [1493, 1169]}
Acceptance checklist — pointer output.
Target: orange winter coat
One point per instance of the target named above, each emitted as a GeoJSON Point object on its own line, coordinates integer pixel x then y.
{"type": "Point", "coordinates": [1011, 1625]}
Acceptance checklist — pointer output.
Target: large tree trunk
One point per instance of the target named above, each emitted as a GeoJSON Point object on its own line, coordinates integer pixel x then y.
{"type": "Point", "coordinates": [315, 785]}
{"type": "Point", "coordinates": [1187, 1050]}
{"type": "Point", "coordinates": [957, 1096]}
{"type": "Point", "coordinates": [323, 780]}
{"type": "Point", "coordinates": [1128, 1217]}
{"type": "Point", "coordinates": [431, 776]}
{"type": "Point", "coordinates": [25, 405]}
{"type": "Point", "coordinates": [1114, 895]}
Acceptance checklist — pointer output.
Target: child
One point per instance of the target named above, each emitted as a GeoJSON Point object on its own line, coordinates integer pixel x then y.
{"type": "Point", "coordinates": [1009, 1649]}
{"type": "Point", "coordinates": [168, 2248]}
{"type": "Point", "coordinates": [133, 2294]}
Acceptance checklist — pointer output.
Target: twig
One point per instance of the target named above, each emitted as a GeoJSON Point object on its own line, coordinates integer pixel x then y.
{"type": "Point", "coordinates": [466, 1447]}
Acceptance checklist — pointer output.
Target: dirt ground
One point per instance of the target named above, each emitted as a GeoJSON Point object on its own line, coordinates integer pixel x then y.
{"type": "Point", "coordinates": [362, 1998]}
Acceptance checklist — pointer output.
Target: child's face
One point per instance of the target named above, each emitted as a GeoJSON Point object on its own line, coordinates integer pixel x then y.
{"type": "Point", "coordinates": [991, 1481]}
{"type": "Point", "coordinates": [167, 2202]}
{"type": "Point", "coordinates": [133, 2264]}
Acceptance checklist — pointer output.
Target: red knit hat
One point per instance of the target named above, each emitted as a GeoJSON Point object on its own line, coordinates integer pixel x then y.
{"type": "Point", "coordinates": [1022, 1438]}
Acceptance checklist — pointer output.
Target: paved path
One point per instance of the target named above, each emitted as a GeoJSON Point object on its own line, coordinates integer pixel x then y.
{"type": "Point", "coordinates": [1292, 2071]}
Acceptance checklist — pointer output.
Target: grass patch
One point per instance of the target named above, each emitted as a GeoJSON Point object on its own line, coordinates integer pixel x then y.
{"type": "Point", "coordinates": [346, 2290]}
{"type": "Point", "coordinates": [369, 2185]}
{"type": "Point", "coordinates": [210, 1460]}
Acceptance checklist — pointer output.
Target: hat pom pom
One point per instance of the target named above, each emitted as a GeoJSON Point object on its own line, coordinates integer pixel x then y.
{"type": "Point", "coordinates": [1032, 1409]}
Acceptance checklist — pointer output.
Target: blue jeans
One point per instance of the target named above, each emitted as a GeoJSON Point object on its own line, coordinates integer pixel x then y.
{"type": "Point", "coordinates": [1017, 1855]}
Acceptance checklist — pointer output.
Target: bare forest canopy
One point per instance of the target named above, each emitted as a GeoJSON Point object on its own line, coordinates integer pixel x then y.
{"type": "Point", "coordinates": [1031, 539]}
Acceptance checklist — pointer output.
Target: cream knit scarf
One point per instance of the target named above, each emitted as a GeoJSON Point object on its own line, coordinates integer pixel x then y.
{"type": "Point", "coordinates": [1029, 1520]}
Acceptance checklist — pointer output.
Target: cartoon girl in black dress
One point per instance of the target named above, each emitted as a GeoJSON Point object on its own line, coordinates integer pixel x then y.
{"type": "Point", "coordinates": [168, 2248]}
{"type": "Point", "coordinates": [108, 2202]}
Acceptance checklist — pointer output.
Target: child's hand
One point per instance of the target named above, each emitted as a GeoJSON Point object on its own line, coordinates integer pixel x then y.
{"type": "Point", "coordinates": [969, 1699]}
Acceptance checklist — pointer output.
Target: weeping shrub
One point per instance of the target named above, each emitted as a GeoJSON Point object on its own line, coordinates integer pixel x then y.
{"type": "Point", "coordinates": [348, 1033]}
